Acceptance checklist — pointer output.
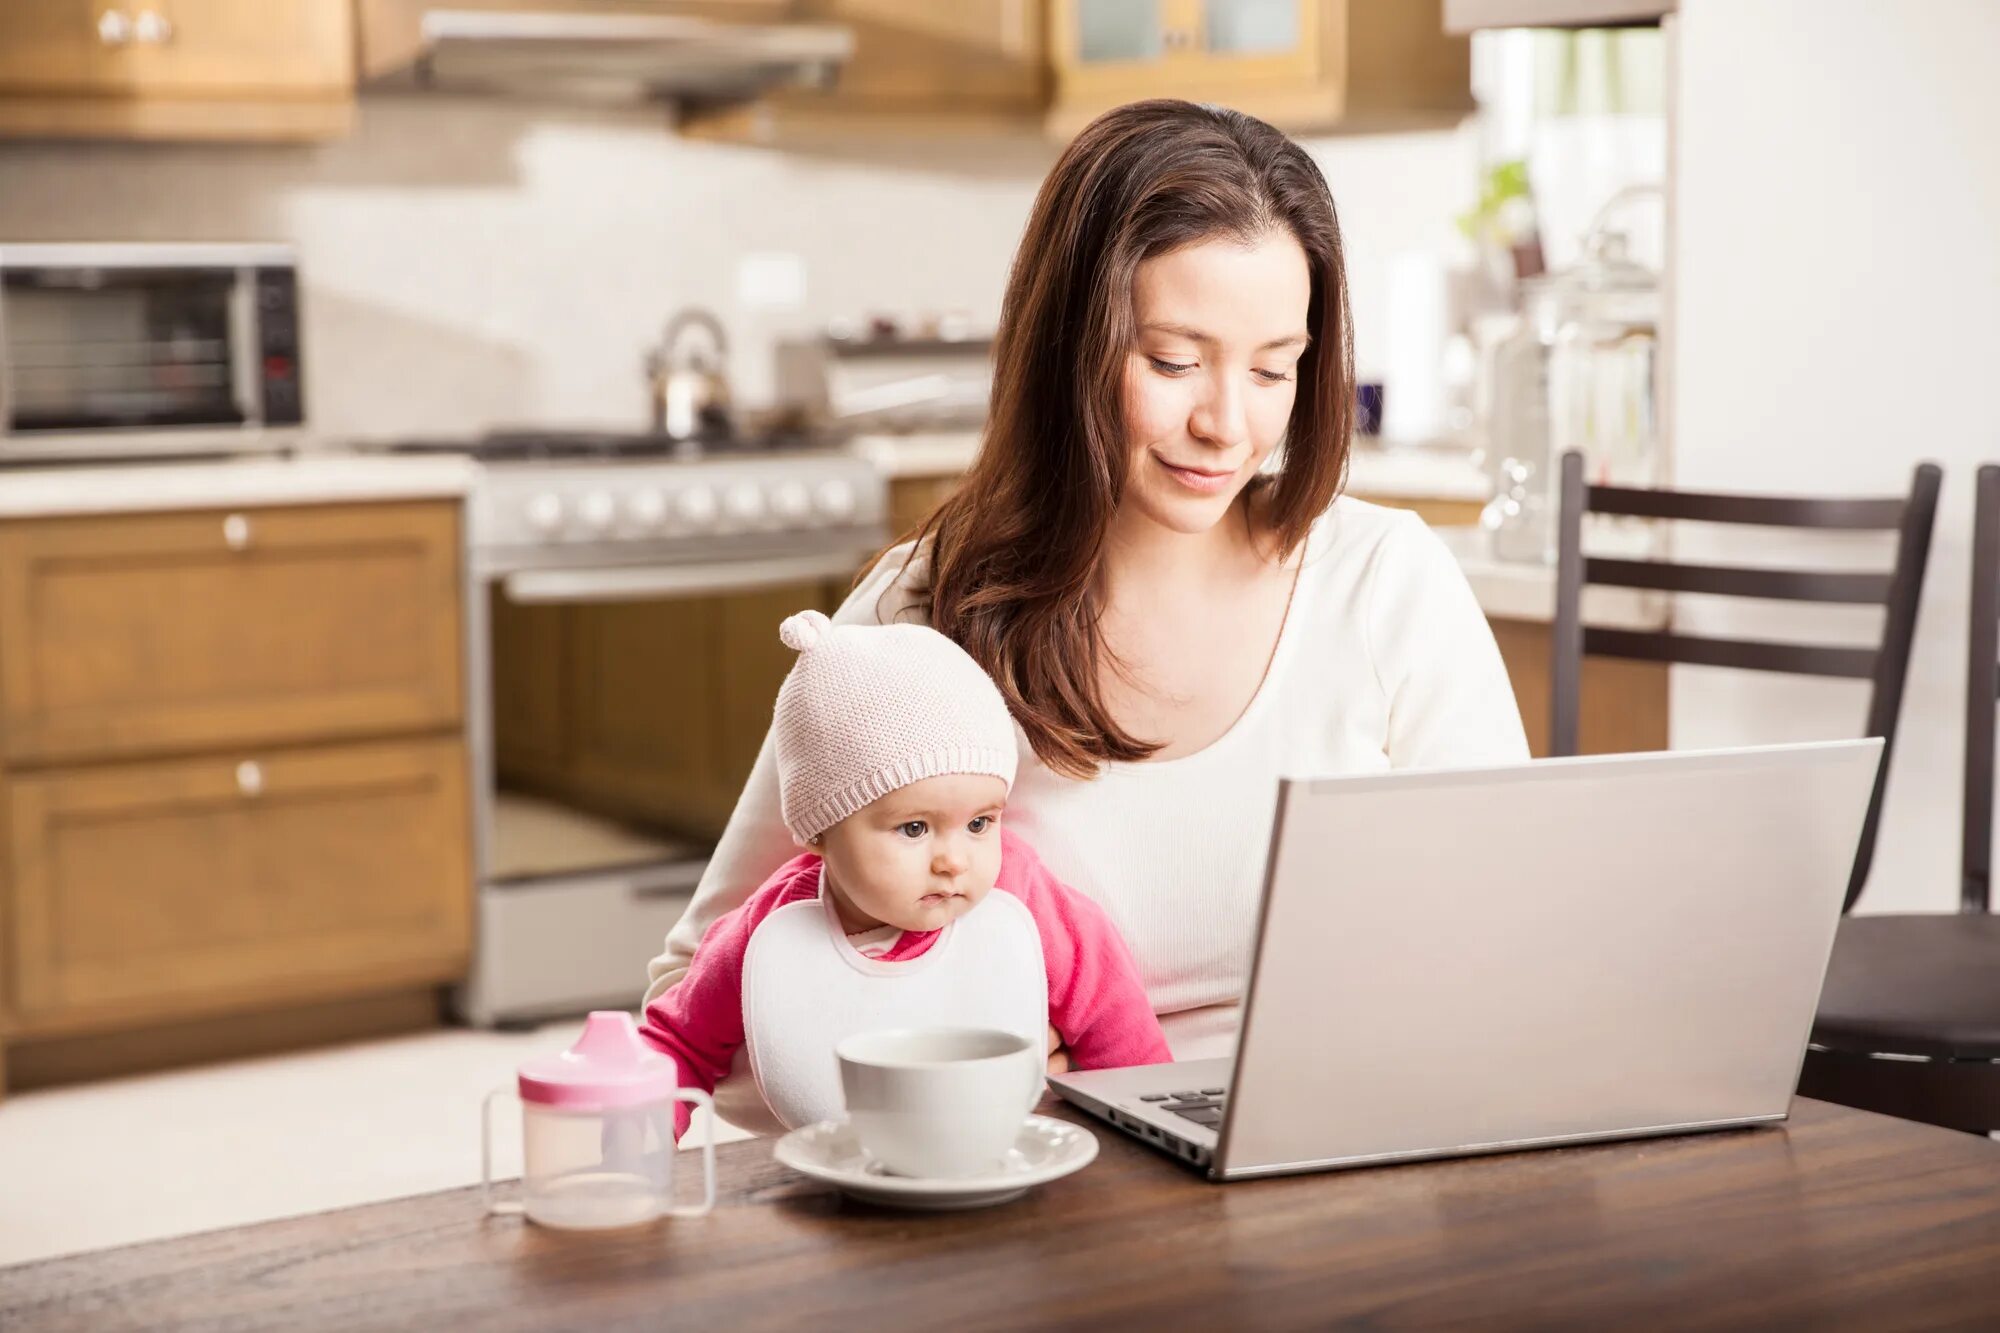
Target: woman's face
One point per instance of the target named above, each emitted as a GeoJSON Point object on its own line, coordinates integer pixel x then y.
{"type": "Point", "coordinates": [1210, 382]}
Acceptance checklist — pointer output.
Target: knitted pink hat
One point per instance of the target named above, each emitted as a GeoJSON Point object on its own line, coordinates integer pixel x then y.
{"type": "Point", "coordinates": [871, 708]}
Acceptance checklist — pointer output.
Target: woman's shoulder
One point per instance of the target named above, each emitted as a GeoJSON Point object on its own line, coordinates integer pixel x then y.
{"type": "Point", "coordinates": [892, 591]}
{"type": "Point", "coordinates": [1356, 534]}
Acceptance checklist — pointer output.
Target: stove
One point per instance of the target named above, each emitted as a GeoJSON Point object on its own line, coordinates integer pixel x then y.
{"type": "Point", "coordinates": [580, 498]}
{"type": "Point", "coordinates": [568, 518]}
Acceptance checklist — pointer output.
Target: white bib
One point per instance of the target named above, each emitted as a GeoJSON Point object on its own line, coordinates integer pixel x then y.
{"type": "Point", "coordinates": [805, 989]}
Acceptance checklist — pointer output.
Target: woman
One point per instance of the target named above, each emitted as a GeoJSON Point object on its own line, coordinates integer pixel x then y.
{"type": "Point", "coordinates": [1149, 559]}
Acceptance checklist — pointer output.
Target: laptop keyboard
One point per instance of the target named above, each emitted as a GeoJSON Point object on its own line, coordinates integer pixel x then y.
{"type": "Point", "coordinates": [1204, 1106]}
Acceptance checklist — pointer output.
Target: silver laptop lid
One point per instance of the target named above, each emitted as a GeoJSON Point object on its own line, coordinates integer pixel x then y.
{"type": "Point", "coordinates": [1457, 961]}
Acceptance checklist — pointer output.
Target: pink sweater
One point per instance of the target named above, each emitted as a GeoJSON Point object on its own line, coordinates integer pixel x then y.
{"type": "Point", "coordinates": [1095, 1000]}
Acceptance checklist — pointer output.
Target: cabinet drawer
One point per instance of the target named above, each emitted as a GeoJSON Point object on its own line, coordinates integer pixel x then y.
{"type": "Point", "coordinates": [195, 884]}
{"type": "Point", "coordinates": [149, 634]}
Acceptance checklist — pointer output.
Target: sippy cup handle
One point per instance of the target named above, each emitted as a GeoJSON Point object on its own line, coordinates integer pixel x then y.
{"type": "Point", "coordinates": [486, 1155]}
{"type": "Point", "coordinates": [696, 1097]}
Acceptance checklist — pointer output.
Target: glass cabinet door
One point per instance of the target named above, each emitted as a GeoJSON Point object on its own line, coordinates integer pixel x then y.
{"type": "Point", "coordinates": [1119, 31]}
{"type": "Point", "coordinates": [1252, 27]}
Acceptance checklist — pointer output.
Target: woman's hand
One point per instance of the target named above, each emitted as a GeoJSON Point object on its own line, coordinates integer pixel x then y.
{"type": "Point", "coordinates": [1058, 1057]}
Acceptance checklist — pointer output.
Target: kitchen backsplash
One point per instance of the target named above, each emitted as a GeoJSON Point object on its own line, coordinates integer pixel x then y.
{"type": "Point", "coordinates": [477, 263]}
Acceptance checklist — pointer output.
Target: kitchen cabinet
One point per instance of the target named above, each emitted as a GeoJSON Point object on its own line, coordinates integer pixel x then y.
{"type": "Point", "coordinates": [1051, 66]}
{"type": "Point", "coordinates": [162, 633]}
{"type": "Point", "coordinates": [176, 69]}
{"type": "Point", "coordinates": [233, 776]}
{"type": "Point", "coordinates": [159, 888]}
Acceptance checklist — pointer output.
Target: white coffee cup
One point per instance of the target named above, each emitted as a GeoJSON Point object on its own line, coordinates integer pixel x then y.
{"type": "Point", "coordinates": [939, 1103]}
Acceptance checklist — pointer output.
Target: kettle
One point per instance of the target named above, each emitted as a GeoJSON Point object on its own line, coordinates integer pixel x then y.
{"type": "Point", "coordinates": [684, 373]}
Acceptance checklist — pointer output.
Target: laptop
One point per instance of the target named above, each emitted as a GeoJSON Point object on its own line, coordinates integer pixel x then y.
{"type": "Point", "coordinates": [1483, 960]}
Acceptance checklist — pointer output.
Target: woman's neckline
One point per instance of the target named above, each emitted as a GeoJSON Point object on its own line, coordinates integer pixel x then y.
{"type": "Point", "coordinates": [1242, 721]}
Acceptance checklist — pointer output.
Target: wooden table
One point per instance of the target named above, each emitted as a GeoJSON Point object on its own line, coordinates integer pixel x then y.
{"type": "Point", "coordinates": [1840, 1218]}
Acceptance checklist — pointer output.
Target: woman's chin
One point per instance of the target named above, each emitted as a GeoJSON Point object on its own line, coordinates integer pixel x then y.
{"type": "Point", "coordinates": [1188, 514]}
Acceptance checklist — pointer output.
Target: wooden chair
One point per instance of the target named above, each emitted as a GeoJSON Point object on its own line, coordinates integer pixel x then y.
{"type": "Point", "coordinates": [1897, 591]}
{"type": "Point", "coordinates": [1869, 1005]}
{"type": "Point", "coordinates": [1909, 1020]}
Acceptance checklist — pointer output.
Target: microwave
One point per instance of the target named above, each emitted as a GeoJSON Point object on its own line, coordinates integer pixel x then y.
{"type": "Point", "coordinates": [112, 351]}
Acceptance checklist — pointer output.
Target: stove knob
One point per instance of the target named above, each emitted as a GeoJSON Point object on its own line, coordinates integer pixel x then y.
{"type": "Point", "coordinates": [697, 506]}
{"type": "Point", "coordinates": [598, 511]}
{"type": "Point", "coordinates": [647, 508]}
{"type": "Point", "coordinates": [744, 503]}
{"type": "Point", "coordinates": [545, 513]}
{"type": "Point", "coordinates": [792, 502]}
{"type": "Point", "coordinates": [836, 500]}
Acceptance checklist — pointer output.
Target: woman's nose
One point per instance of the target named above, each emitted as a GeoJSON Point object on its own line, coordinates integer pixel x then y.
{"type": "Point", "coordinates": [1220, 417]}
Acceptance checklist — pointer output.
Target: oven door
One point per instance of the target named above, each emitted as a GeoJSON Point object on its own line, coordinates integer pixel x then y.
{"type": "Point", "coordinates": [618, 709]}
{"type": "Point", "coordinates": [113, 360]}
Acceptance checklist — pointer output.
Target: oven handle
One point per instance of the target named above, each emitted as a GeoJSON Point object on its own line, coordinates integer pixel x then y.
{"type": "Point", "coordinates": [624, 584]}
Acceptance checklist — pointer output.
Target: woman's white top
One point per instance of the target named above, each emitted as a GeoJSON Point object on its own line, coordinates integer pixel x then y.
{"type": "Point", "coordinates": [1384, 661]}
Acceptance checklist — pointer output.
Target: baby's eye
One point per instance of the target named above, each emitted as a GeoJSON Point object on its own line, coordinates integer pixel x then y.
{"type": "Point", "coordinates": [981, 824]}
{"type": "Point", "coordinates": [916, 828]}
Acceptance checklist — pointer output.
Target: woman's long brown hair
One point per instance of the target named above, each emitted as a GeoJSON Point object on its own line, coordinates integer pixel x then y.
{"type": "Point", "coordinates": [1014, 552]}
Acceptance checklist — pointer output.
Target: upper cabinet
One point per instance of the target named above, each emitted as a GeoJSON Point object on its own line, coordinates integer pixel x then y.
{"type": "Point", "coordinates": [176, 69]}
{"type": "Point", "coordinates": [1050, 66]}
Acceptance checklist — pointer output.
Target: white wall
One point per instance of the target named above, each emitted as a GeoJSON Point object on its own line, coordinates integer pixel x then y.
{"type": "Point", "coordinates": [1837, 269]}
{"type": "Point", "coordinates": [476, 263]}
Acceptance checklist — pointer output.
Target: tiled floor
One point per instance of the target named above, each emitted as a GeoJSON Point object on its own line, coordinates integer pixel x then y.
{"type": "Point", "coordinates": [137, 1159]}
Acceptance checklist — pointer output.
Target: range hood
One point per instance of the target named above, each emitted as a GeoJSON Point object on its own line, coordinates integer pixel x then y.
{"type": "Point", "coordinates": [613, 56]}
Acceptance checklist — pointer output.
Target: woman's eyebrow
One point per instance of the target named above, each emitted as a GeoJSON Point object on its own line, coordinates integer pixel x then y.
{"type": "Point", "coordinates": [1197, 336]}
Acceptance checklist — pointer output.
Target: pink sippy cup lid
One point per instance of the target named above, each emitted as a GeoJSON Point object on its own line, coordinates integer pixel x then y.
{"type": "Point", "coordinates": [610, 1065]}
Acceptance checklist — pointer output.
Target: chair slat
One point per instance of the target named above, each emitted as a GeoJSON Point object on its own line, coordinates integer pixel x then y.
{"type": "Point", "coordinates": [1743, 654]}
{"type": "Point", "coordinates": [1774, 511]}
{"type": "Point", "coordinates": [1795, 585]}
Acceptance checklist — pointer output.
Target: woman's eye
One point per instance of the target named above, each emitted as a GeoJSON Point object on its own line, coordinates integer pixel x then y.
{"type": "Point", "coordinates": [981, 824]}
{"type": "Point", "coordinates": [1273, 376]}
{"type": "Point", "coordinates": [1170, 367]}
{"type": "Point", "coordinates": [916, 828]}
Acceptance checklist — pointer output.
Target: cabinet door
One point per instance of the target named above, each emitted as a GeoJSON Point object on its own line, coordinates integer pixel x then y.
{"type": "Point", "coordinates": [1108, 51]}
{"type": "Point", "coordinates": [177, 48]}
{"type": "Point", "coordinates": [194, 884]}
{"type": "Point", "coordinates": [55, 46]}
{"type": "Point", "coordinates": [922, 54]}
{"type": "Point", "coordinates": [242, 48]}
{"type": "Point", "coordinates": [154, 633]}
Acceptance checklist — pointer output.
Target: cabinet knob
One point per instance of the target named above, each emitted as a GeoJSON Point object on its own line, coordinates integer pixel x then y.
{"type": "Point", "coordinates": [114, 27]}
{"type": "Point", "coordinates": [250, 777]}
{"type": "Point", "coordinates": [236, 532]}
{"type": "Point", "coordinates": [152, 28]}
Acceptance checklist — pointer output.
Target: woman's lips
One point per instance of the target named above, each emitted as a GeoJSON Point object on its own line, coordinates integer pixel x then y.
{"type": "Point", "coordinates": [1198, 480]}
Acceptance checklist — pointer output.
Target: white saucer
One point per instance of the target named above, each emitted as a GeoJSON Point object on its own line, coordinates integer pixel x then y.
{"type": "Point", "coordinates": [1046, 1150]}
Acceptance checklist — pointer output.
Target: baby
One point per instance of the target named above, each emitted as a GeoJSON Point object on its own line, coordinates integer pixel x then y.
{"type": "Point", "coordinates": [895, 757]}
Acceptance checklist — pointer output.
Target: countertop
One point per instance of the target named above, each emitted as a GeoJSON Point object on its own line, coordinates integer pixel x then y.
{"type": "Point", "coordinates": [306, 478]}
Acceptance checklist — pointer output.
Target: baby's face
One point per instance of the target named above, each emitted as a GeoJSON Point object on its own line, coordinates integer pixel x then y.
{"type": "Point", "coordinates": [919, 858]}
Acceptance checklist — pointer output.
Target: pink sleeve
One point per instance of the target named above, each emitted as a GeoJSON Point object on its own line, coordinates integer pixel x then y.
{"type": "Point", "coordinates": [698, 1021]}
{"type": "Point", "coordinates": [1096, 1001]}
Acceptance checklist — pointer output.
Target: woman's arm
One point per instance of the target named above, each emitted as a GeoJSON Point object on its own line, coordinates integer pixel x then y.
{"type": "Point", "coordinates": [1450, 702]}
{"type": "Point", "coordinates": [755, 842]}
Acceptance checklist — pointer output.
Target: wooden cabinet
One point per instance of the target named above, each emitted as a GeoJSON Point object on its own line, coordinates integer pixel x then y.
{"type": "Point", "coordinates": [177, 69]}
{"type": "Point", "coordinates": [1051, 66]}
{"type": "Point", "coordinates": [162, 888]}
{"type": "Point", "coordinates": [176, 632]}
{"type": "Point", "coordinates": [233, 776]}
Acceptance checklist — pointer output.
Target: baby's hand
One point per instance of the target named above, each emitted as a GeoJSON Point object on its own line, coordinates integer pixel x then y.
{"type": "Point", "coordinates": [1058, 1057]}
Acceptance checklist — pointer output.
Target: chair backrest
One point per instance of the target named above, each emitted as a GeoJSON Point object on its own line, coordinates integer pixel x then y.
{"type": "Point", "coordinates": [1898, 591]}
{"type": "Point", "coordinates": [1982, 683]}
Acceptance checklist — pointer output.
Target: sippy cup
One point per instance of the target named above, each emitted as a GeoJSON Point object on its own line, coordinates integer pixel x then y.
{"type": "Point", "coordinates": [597, 1127]}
